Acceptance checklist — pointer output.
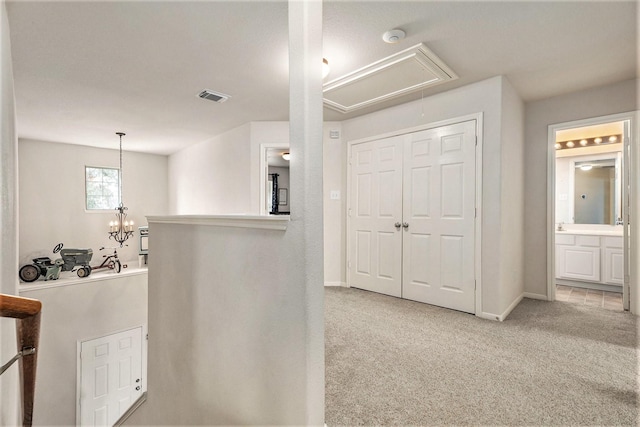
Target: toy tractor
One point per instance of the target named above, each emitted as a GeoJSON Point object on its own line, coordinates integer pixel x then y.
{"type": "Point", "coordinates": [43, 266]}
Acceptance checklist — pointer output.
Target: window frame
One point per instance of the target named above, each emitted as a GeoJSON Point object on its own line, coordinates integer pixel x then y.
{"type": "Point", "coordinates": [86, 189]}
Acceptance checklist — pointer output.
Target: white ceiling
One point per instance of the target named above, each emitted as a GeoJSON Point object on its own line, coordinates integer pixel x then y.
{"type": "Point", "coordinates": [84, 70]}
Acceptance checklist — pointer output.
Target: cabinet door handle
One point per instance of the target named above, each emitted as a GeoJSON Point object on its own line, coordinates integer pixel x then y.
{"type": "Point", "coordinates": [405, 225]}
{"type": "Point", "coordinates": [398, 225]}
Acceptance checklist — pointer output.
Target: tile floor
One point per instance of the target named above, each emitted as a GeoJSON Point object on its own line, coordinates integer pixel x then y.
{"type": "Point", "coordinates": [595, 298]}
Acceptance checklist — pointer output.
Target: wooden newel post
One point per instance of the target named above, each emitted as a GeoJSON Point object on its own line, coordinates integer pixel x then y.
{"type": "Point", "coordinates": [27, 313]}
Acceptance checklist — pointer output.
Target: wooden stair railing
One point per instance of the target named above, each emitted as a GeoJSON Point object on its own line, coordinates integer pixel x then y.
{"type": "Point", "coordinates": [26, 311]}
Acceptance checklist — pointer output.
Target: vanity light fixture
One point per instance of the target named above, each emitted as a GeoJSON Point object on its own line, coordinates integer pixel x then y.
{"type": "Point", "coordinates": [586, 167]}
{"type": "Point", "coordinates": [286, 156]}
{"type": "Point", "coordinates": [120, 229]}
{"type": "Point", "coordinates": [588, 142]}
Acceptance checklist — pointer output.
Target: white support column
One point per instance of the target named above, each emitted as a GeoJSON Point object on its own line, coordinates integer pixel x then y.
{"type": "Point", "coordinates": [305, 115]}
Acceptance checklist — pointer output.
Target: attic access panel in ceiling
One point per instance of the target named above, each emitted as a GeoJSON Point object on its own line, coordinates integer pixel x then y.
{"type": "Point", "coordinates": [404, 72]}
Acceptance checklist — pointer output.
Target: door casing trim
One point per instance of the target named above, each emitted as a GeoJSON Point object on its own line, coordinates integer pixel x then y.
{"type": "Point", "coordinates": [631, 117]}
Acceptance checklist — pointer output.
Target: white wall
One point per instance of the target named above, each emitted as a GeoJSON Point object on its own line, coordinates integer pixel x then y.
{"type": "Point", "coordinates": [197, 184]}
{"type": "Point", "coordinates": [333, 176]}
{"type": "Point", "coordinates": [91, 309]}
{"type": "Point", "coordinates": [486, 97]}
{"type": "Point", "coordinates": [237, 333]}
{"type": "Point", "coordinates": [212, 177]}
{"type": "Point", "coordinates": [512, 198]}
{"type": "Point", "coordinates": [9, 389]}
{"type": "Point", "coordinates": [52, 197]}
{"type": "Point", "coordinates": [601, 101]}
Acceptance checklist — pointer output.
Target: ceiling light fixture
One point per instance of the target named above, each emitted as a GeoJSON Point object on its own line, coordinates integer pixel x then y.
{"type": "Point", "coordinates": [286, 156]}
{"type": "Point", "coordinates": [325, 68]}
{"type": "Point", "coordinates": [393, 36]}
{"type": "Point", "coordinates": [586, 167]}
{"type": "Point", "coordinates": [121, 229]}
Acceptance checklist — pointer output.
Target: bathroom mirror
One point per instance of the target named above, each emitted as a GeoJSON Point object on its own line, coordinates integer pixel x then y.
{"type": "Point", "coordinates": [275, 194]}
{"type": "Point", "coordinates": [588, 189]}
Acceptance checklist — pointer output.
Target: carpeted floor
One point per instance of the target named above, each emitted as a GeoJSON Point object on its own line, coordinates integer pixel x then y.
{"type": "Point", "coordinates": [396, 362]}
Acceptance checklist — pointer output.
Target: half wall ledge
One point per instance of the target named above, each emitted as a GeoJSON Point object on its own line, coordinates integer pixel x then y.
{"type": "Point", "coordinates": [263, 222]}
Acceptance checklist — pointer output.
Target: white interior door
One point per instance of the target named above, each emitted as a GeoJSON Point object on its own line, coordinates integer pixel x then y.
{"type": "Point", "coordinates": [376, 208]}
{"type": "Point", "coordinates": [111, 377]}
{"type": "Point", "coordinates": [439, 217]}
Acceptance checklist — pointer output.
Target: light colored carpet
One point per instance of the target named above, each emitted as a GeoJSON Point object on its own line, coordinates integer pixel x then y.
{"type": "Point", "coordinates": [396, 362]}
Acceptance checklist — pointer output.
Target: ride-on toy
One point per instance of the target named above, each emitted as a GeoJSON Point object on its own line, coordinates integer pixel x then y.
{"type": "Point", "coordinates": [110, 261]}
{"type": "Point", "coordinates": [43, 266]}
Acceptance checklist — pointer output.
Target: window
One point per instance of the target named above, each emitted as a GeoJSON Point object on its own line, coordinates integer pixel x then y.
{"type": "Point", "coordinates": [102, 188]}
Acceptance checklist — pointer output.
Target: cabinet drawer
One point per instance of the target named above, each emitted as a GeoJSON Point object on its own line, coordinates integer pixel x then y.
{"type": "Point", "coordinates": [613, 242]}
{"type": "Point", "coordinates": [589, 241]}
{"type": "Point", "coordinates": [565, 239]}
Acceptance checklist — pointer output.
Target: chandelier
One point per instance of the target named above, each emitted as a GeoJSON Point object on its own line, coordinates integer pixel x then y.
{"type": "Point", "coordinates": [120, 229]}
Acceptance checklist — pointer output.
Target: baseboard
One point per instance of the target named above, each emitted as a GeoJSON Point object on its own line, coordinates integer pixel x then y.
{"type": "Point", "coordinates": [501, 317]}
{"type": "Point", "coordinates": [335, 284]}
{"type": "Point", "coordinates": [531, 295]}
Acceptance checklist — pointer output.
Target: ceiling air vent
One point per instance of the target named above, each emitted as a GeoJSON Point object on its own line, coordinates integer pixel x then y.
{"type": "Point", "coordinates": [213, 96]}
{"type": "Point", "coordinates": [408, 71]}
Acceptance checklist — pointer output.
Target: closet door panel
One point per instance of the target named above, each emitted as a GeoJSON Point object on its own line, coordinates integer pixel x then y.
{"type": "Point", "coordinates": [375, 208]}
{"type": "Point", "coordinates": [439, 208]}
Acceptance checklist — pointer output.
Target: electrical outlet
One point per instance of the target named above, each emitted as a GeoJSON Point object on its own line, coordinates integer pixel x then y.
{"type": "Point", "coordinates": [334, 195]}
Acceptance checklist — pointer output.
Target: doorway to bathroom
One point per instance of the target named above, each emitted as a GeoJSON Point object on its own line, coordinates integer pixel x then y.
{"type": "Point", "coordinates": [589, 210]}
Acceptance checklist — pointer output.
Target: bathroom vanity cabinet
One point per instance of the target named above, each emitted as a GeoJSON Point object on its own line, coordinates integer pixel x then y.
{"type": "Point", "coordinates": [594, 259]}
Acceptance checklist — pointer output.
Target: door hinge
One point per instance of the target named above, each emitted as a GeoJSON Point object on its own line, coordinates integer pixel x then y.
{"type": "Point", "coordinates": [147, 337]}
{"type": "Point", "coordinates": [476, 140]}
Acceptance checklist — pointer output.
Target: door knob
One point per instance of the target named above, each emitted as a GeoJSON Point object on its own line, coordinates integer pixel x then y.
{"type": "Point", "coordinates": [398, 225]}
{"type": "Point", "coordinates": [405, 224]}
{"type": "Point", "coordinates": [137, 380]}
{"type": "Point", "coordinates": [138, 388]}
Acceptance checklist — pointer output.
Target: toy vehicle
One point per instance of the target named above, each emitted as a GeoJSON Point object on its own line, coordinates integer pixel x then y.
{"type": "Point", "coordinates": [111, 261]}
{"type": "Point", "coordinates": [43, 266]}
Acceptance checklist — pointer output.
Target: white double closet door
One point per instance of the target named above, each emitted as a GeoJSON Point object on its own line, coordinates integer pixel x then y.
{"type": "Point", "coordinates": [412, 216]}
